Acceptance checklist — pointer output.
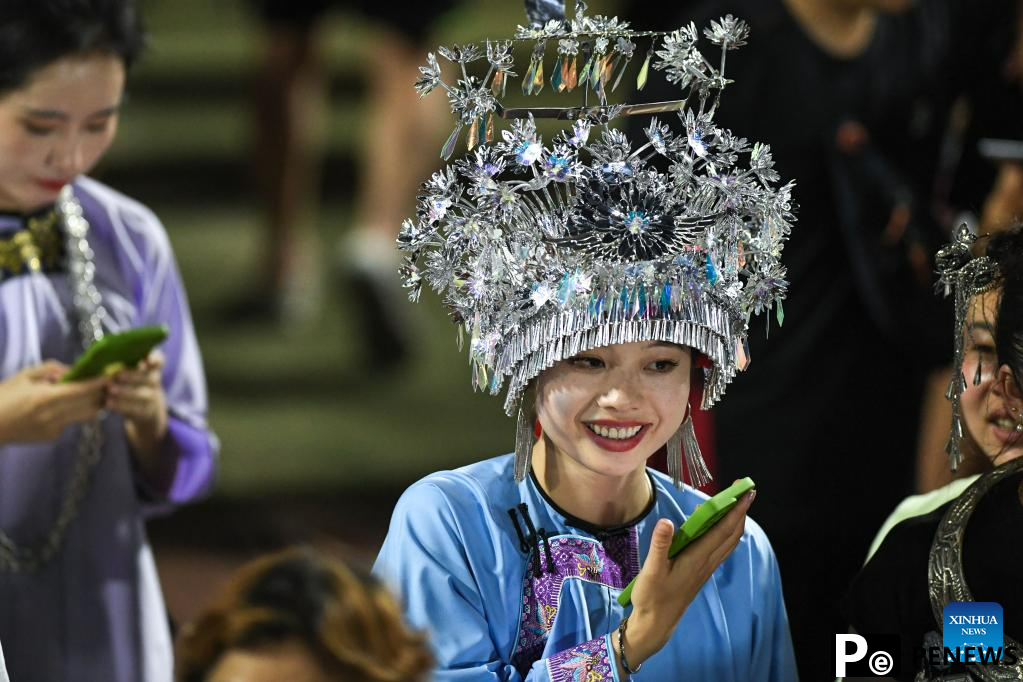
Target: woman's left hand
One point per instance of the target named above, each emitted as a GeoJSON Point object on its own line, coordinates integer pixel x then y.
{"type": "Point", "coordinates": [137, 394]}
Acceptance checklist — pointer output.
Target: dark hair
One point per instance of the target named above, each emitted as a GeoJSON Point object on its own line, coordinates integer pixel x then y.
{"type": "Point", "coordinates": [1007, 250]}
{"type": "Point", "coordinates": [36, 33]}
{"type": "Point", "coordinates": [345, 619]}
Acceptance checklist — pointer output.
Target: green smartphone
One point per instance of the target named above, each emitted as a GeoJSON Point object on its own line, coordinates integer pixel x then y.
{"type": "Point", "coordinates": [116, 351]}
{"type": "Point", "coordinates": [699, 522]}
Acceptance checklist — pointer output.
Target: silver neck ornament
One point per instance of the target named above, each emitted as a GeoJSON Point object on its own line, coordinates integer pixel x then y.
{"type": "Point", "coordinates": [89, 311]}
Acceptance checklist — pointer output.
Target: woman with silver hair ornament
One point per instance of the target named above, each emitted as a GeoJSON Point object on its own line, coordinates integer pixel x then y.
{"type": "Point", "coordinates": [594, 284]}
{"type": "Point", "coordinates": [962, 543]}
{"type": "Point", "coordinates": [83, 462]}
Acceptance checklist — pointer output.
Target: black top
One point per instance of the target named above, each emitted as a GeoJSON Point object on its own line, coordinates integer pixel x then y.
{"type": "Point", "coordinates": [890, 593]}
{"type": "Point", "coordinates": [889, 596]}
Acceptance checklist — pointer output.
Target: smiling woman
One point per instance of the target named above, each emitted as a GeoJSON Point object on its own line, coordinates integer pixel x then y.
{"type": "Point", "coordinates": [591, 288]}
{"type": "Point", "coordinates": [81, 462]}
{"type": "Point", "coordinates": [604, 413]}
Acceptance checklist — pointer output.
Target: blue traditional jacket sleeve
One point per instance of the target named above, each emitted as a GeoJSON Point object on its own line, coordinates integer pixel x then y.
{"type": "Point", "coordinates": [426, 558]}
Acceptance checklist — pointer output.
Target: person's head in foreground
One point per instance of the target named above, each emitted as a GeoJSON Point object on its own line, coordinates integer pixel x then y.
{"type": "Point", "coordinates": [62, 72]}
{"type": "Point", "coordinates": [984, 393]}
{"type": "Point", "coordinates": [299, 616]}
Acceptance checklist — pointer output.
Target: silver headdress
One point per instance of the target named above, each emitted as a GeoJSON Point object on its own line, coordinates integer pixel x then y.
{"type": "Point", "coordinates": [961, 274]}
{"type": "Point", "coordinates": [545, 249]}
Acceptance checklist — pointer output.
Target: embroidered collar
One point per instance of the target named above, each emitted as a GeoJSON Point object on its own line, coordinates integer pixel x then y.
{"type": "Point", "coordinates": [592, 528]}
{"type": "Point", "coordinates": [35, 245]}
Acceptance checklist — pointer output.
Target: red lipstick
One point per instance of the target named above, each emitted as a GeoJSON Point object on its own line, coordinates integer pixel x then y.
{"type": "Point", "coordinates": [51, 185]}
{"type": "Point", "coordinates": [616, 444]}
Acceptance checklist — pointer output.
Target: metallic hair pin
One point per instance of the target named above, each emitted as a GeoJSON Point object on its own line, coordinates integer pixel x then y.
{"type": "Point", "coordinates": [962, 276]}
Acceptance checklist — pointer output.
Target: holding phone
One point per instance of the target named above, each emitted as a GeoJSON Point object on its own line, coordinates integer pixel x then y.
{"type": "Point", "coordinates": [699, 522]}
{"type": "Point", "coordinates": [116, 351]}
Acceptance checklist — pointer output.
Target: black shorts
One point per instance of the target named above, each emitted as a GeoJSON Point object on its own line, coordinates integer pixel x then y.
{"type": "Point", "coordinates": [304, 13]}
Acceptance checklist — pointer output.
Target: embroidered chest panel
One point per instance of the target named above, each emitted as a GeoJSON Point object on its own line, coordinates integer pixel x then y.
{"type": "Point", "coordinates": [613, 563]}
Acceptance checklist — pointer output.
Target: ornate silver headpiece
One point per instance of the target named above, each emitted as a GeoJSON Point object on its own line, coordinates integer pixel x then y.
{"type": "Point", "coordinates": [961, 274]}
{"type": "Point", "coordinates": [542, 250]}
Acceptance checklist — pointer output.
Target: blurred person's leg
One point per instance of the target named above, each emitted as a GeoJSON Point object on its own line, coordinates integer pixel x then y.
{"type": "Point", "coordinates": [400, 147]}
{"type": "Point", "coordinates": [290, 95]}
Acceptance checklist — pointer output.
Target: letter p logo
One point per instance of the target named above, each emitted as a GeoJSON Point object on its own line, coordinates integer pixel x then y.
{"type": "Point", "coordinates": [871, 655]}
{"type": "Point", "coordinates": [841, 651]}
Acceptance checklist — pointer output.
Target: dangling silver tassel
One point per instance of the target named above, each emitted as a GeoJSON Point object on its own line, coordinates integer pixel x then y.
{"type": "Point", "coordinates": [523, 440]}
{"type": "Point", "coordinates": [675, 457]}
{"type": "Point", "coordinates": [699, 474]}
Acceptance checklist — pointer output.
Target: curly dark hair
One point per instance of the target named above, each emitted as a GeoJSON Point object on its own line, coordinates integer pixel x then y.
{"type": "Point", "coordinates": [36, 33]}
{"type": "Point", "coordinates": [345, 619]}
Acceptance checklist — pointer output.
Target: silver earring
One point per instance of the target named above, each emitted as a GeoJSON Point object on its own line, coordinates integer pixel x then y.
{"type": "Point", "coordinates": [675, 457]}
{"type": "Point", "coordinates": [523, 440]}
{"type": "Point", "coordinates": [699, 474]}
{"type": "Point", "coordinates": [684, 440]}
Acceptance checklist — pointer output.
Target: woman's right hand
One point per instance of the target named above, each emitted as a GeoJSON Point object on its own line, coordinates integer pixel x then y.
{"type": "Point", "coordinates": [35, 407]}
{"type": "Point", "coordinates": [666, 587]}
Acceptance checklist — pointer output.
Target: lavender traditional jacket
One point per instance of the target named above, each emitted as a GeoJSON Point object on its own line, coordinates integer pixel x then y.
{"type": "Point", "coordinates": [95, 612]}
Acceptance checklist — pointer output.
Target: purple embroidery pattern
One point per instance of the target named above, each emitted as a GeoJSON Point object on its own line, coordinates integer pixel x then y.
{"type": "Point", "coordinates": [613, 563]}
{"type": "Point", "coordinates": [588, 662]}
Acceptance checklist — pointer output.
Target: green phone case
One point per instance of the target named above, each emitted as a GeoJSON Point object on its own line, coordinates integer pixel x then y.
{"type": "Point", "coordinates": [699, 522]}
{"type": "Point", "coordinates": [124, 349]}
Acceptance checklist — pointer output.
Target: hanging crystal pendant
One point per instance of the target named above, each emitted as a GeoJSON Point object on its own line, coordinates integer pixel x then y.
{"type": "Point", "coordinates": [497, 85]}
{"type": "Point", "coordinates": [584, 74]}
{"type": "Point", "coordinates": [605, 75]}
{"type": "Point", "coordinates": [538, 78]}
{"type": "Point", "coordinates": [490, 127]}
{"type": "Point", "coordinates": [449, 146]}
{"type": "Point", "coordinates": [595, 70]}
{"type": "Point", "coordinates": [609, 68]}
{"type": "Point", "coordinates": [641, 78]}
{"type": "Point", "coordinates": [621, 72]}
{"type": "Point", "coordinates": [527, 82]}
{"type": "Point", "coordinates": [572, 78]}
{"type": "Point", "coordinates": [556, 75]}
{"type": "Point", "coordinates": [474, 134]}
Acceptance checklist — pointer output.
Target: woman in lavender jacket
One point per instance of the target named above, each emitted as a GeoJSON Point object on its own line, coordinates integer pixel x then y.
{"type": "Point", "coordinates": [81, 464]}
